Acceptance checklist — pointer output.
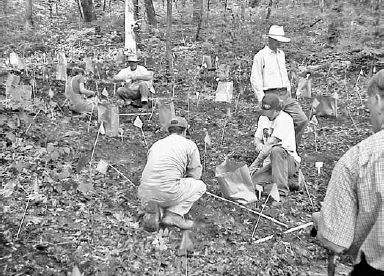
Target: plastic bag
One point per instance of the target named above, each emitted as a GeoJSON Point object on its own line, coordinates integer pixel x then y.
{"type": "Point", "coordinates": [235, 181]}
{"type": "Point", "coordinates": [166, 113]}
{"type": "Point", "coordinates": [304, 88]}
{"type": "Point", "coordinates": [325, 105]}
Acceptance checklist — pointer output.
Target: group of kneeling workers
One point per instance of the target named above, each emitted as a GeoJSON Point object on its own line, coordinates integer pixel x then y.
{"type": "Point", "coordinates": [351, 219]}
{"type": "Point", "coordinates": [352, 216]}
{"type": "Point", "coordinates": [136, 79]}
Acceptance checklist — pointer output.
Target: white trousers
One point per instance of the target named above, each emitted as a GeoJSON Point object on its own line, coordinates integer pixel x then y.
{"type": "Point", "coordinates": [190, 190]}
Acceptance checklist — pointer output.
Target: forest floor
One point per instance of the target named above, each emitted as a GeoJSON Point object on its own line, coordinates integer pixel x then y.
{"type": "Point", "coordinates": [60, 211]}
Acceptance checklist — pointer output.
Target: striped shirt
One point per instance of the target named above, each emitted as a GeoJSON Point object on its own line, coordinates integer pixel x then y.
{"type": "Point", "coordinates": [352, 215]}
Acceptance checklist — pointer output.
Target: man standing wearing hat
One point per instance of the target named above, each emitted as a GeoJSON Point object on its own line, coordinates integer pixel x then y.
{"type": "Point", "coordinates": [171, 178]}
{"type": "Point", "coordinates": [269, 76]}
{"type": "Point", "coordinates": [137, 80]}
{"type": "Point", "coordinates": [276, 147]}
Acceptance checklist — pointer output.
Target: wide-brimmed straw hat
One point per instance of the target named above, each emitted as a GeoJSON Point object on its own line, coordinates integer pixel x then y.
{"type": "Point", "coordinates": [133, 58]}
{"type": "Point", "coordinates": [277, 32]}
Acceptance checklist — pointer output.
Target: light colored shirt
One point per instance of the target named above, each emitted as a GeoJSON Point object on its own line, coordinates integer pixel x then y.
{"type": "Point", "coordinates": [282, 128]}
{"type": "Point", "coordinates": [269, 71]}
{"type": "Point", "coordinates": [169, 160]}
{"type": "Point", "coordinates": [352, 215]}
{"type": "Point", "coordinates": [72, 89]}
{"type": "Point", "coordinates": [137, 74]}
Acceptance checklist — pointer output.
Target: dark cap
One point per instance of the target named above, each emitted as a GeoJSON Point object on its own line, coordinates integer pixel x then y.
{"type": "Point", "coordinates": [270, 102]}
{"type": "Point", "coordinates": [178, 122]}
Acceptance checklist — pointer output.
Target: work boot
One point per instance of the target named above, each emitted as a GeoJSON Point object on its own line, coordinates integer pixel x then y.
{"type": "Point", "coordinates": [151, 218]}
{"type": "Point", "coordinates": [296, 182]}
{"type": "Point", "coordinates": [172, 219]}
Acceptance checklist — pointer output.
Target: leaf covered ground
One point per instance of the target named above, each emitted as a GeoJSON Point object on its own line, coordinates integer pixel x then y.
{"type": "Point", "coordinates": [72, 214]}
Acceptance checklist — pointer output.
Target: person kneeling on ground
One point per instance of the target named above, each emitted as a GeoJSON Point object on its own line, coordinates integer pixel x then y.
{"type": "Point", "coordinates": [77, 94]}
{"type": "Point", "coordinates": [276, 147]}
{"type": "Point", "coordinates": [171, 177]}
{"type": "Point", "coordinates": [137, 83]}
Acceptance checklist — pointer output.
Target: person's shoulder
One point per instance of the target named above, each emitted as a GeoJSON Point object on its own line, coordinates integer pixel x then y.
{"type": "Point", "coordinates": [372, 145]}
{"type": "Point", "coordinates": [263, 120]}
{"type": "Point", "coordinates": [284, 116]}
{"type": "Point", "coordinates": [261, 51]}
{"type": "Point", "coordinates": [141, 67]}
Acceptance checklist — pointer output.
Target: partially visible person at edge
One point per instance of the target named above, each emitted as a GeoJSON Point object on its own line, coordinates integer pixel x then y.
{"type": "Point", "coordinates": [171, 177]}
{"type": "Point", "coordinates": [276, 147]}
{"type": "Point", "coordinates": [269, 75]}
{"type": "Point", "coordinates": [351, 219]}
{"type": "Point", "coordinates": [138, 81]}
{"type": "Point", "coordinates": [77, 94]}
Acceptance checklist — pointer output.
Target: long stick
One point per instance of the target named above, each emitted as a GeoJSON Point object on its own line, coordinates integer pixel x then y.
{"type": "Point", "coordinates": [34, 117]}
{"type": "Point", "coordinates": [145, 141]}
{"type": "Point", "coordinates": [90, 118]}
{"type": "Point", "coordinates": [135, 114]}
{"type": "Point", "coordinates": [94, 146]}
{"type": "Point", "coordinates": [258, 218]}
{"type": "Point", "coordinates": [22, 220]}
{"type": "Point", "coordinates": [119, 172]}
{"type": "Point", "coordinates": [250, 210]}
{"type": "Point", "coordinates": [309, 195]}
{"type": "Point", "coordinates": [285, 232]}
{"type": "Point", "coordinates": [205, 152]}
{"type": "Point", "coordinates": [222, 135]}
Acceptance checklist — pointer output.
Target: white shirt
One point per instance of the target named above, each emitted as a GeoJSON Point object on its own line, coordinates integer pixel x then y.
{"type": "Point", "coordinates": [282, 128]}
{"type": "Point", "coordinates": [169, 160]}
{"type": "Point", "coordinates": [127, 75]}
{"type": "Point", "coordinates": [269, 71]}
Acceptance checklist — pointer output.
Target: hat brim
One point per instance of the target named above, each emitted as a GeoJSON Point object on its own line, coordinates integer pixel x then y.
{"type": "Point", "coordinates": [280, 38]}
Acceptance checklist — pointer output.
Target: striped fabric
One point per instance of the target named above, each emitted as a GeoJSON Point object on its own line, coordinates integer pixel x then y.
{"type": "Point", "coordinates": [352, 215]}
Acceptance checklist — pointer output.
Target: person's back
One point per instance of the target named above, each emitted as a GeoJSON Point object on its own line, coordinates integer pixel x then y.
{"type": "Point", "coordinates": [167, 162]}
{"type": "Point", "coordinates": [171, 179]}
{"type": "Point", "coordinates": [72, 89]}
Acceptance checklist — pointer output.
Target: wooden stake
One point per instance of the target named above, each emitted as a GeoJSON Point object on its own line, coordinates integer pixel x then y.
{"type": "Point", "coordinates": [90, 117]}
{"type": "Point", "coordinates": [145, 141]}
{"type": "Point", "coordinates": [34, 117]}
{"type": "Point", "coordinates": [258, 218]}
{"type": "Point", "coordinates": [250, 210]}
{"type": "Point", "coordinates": [22, 220]}
{"type": "Point", "coordinates": [130, 182]}
{"type": "Point", "coordinates": [285, 232]}
{"type": "Point", "coordinates": [94, 146]}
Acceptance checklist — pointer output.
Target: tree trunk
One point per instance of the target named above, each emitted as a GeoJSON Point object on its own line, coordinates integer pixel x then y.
{"type": "Point", "coordinates": [130, 41]}
{"type": "Point", "coordinates": [169, 33]}
{"type": "Point", "coordinates": [88, 10]}
{"type": "Point", "coordinates": [28, 14]}
{"type": "Point", "coordinates": [5, 6]}
{"type": "Point", "coordinates": [151, 15]}
{"type": "Point", "coordinates": [269, 9]}
{"type": "Point", "coordinates": [200, 19]}
{"type": "Point", "coordinates": [196, 11]}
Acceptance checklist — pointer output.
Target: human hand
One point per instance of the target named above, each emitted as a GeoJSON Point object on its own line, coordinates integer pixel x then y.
{"type": "Point", "coordinates": [259, 147]}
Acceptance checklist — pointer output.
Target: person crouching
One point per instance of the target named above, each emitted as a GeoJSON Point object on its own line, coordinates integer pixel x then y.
{"type": "Point", "coordinates": [171, 178]}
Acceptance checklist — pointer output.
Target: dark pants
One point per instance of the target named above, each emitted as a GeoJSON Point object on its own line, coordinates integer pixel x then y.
{"type": "Point", "coordinates": [140, 95]}
{"type": "Point", "coordinates": [364, 269]}
{"type": "Point", "coordinates": [282, 166]}
{"type": "Point", "coordinates": [292, 107]}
